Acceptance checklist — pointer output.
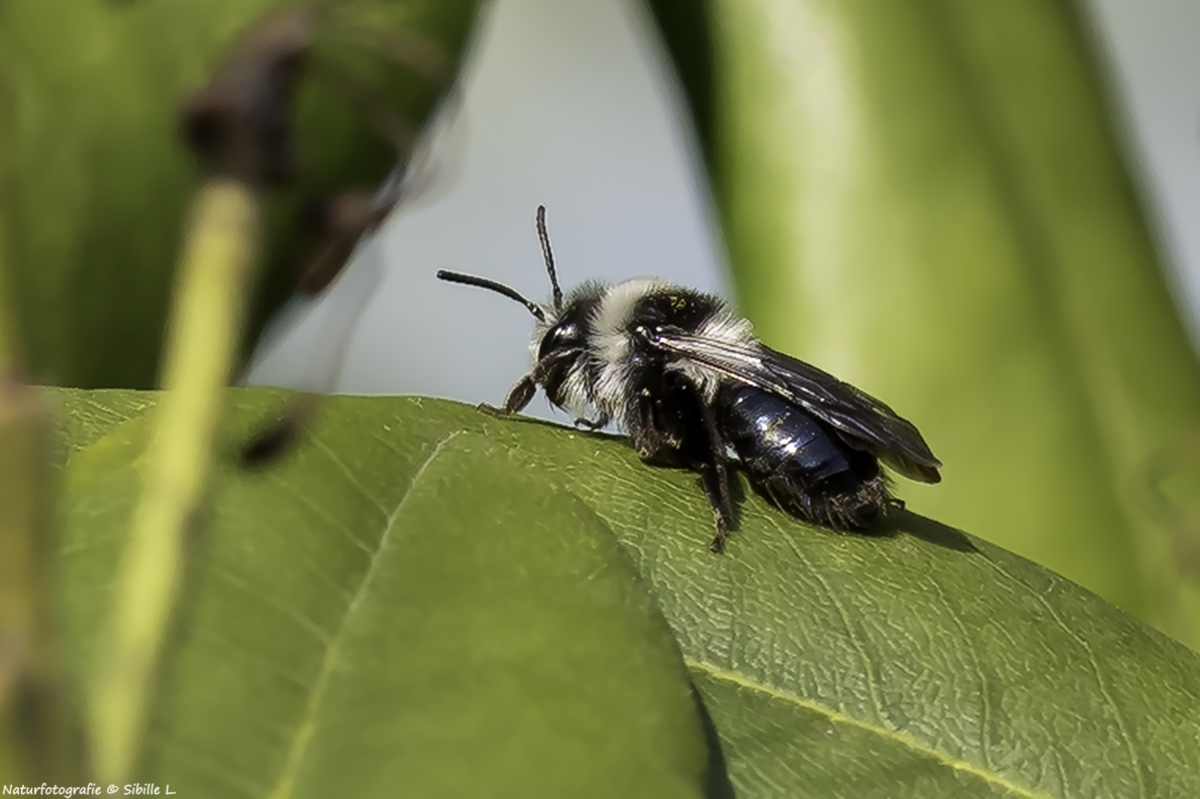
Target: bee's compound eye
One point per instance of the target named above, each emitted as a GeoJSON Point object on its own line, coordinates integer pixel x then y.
{"type": "Point", "coordinates": [564, 335]}
{"type": "Point", "coordinates": [561, 337]}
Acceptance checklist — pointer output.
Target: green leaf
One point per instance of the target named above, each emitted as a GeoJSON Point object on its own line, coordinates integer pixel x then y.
{"type": "Point", "coordinates": [423, 618]}
{"type": "Point", "coordinates": [925, 197]}
{"type": "Point", "coordinates": [919, 662]}
{"type": "Point", "coordinates": [90, 415]}
{"type": "Point", "coordinates": [97, 180]}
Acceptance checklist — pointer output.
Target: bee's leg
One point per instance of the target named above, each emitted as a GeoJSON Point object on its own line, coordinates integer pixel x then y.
{"type": "Point", "coordinates": [518, 397]}
{"type": "Point", "coordinates": [715, 477]}
{"type": "Point", "coordinates": [644, 434]}
{"type": "Point", "coordinates": [600, 422]}
{"type": "Point", "coordinates": [522, 393]}
{"type": "Point", "coordinates": [651, 432]}
{"type": "Point", "coordinates": [677, 427]}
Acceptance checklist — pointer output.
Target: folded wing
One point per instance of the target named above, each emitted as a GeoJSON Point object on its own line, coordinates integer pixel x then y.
{"type": "Point", "coordinates": [862, 421]}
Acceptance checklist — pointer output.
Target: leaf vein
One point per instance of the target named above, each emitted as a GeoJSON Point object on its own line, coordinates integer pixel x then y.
{"type": "Point", "coordinates": [319, 511]}
{"type": "Point", "coordinates": [110, 413]}
{"type": "Point", "coordinates": [868, 670]}
{"type": "Point", "coordinates": [386, 443]}
{"type": "Point", "coordinates": [985, 703]}
{"type": "Point", "coordinates": [210, 767]}
{"type": "Point", "coordinates": [305, 730]}
{"type": "Point", "coordinates": [266, 663]}
{"type": "Point", "coordinates": [349, 475]}
{"type": "Point", "coordinates": [308, 624]}
{"type": "Point", "coordinates": [838, 717]}
{"type": "Point", "coordinates": [1134, 760]}
{"type": "Point", "coordinates": [83, 544]}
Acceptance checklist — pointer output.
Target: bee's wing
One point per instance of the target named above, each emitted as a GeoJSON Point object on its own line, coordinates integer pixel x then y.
{"type": "Point", "coordinates": [863, 421]}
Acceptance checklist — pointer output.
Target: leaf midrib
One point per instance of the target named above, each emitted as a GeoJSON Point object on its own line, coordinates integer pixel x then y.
{"type": "Point", "coordinates": [286, 783]}
{"type": "Point", "coordinates": [741, 681]}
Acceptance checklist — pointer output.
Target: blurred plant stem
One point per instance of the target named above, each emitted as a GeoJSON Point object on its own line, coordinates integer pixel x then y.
{"type": "Point", "coordinates": [38, 740]}
{"type": "Point", "coordinates": [37, 725]}
{"type": "Point", "coordinates": [203, 341]}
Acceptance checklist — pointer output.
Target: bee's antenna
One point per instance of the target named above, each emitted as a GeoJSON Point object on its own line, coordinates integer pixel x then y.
{"type": "Point", "coordinates": [499, 288]}
{"type": "Point", "coordinates": [548, 257]}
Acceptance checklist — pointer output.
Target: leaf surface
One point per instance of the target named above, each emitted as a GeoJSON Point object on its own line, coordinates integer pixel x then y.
{"type": "Point", "coordinates": [416, 616]}
{"type": "Point", "coordinates": [919, 662]}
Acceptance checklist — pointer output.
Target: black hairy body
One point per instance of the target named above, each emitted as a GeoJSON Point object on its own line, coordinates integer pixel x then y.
{"type": "Point", "coordinates": [694, 387]}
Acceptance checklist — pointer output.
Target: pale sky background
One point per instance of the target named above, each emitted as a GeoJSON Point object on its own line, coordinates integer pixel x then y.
{"type": "Point", "coordinates": [1154, 61]}
{"type": "Point", "coordinates": [564, 103]}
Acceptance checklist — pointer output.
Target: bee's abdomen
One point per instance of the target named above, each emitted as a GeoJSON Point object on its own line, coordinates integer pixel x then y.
{"type": "Point", "coordinates": [770, 433]}
{"type": "Point", "coordinates": [800, 462]}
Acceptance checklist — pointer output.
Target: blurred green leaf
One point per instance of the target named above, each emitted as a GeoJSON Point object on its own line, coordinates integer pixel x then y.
{"type": "Point", "coordinates": [925, 197]}
{"type": "Point", "coordinates": [916, 663]}
{"type": "Point", "coordinates": [417, 618]}
{"type": "Point", "coordinates": [86, 416]}
{"type": "Point", "coordinates": [100, 180]}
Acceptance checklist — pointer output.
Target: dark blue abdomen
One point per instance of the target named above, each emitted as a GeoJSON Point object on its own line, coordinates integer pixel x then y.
{"type": "Point", "coordinates": [801, 462]}
{"type": "Point", "coordinates": [775, 433]}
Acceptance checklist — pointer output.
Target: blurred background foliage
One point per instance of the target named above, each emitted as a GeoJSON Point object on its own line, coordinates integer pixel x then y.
{"type": "Point", "coordinates": [98, 177]}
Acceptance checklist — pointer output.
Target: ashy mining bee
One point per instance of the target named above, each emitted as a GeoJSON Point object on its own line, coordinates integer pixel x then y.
{"type": "Point", "coordinates": [693, 386]}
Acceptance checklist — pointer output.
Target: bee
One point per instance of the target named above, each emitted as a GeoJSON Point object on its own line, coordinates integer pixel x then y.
{"type": "Point", "coordinates": [693, 387]}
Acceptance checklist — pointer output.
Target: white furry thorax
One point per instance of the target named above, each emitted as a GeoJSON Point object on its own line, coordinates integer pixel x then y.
{"type": "Point", "coordinates": [610, 343]}
{"type": "Point", "coordinates": [724, 327]}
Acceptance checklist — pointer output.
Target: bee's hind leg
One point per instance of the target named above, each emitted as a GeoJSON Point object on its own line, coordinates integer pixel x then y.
{"type": "Point", "coordinates": [714, 475]}
{"type": "Point", "coordinates": [715, 478]}
{"type": "Point", "coordinates": [679, 428]}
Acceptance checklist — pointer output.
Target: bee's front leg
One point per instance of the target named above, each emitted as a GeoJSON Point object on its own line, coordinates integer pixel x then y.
{"type": "Point", "coordinates": [518, 397]}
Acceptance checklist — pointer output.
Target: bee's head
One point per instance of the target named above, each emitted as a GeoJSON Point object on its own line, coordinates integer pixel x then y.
{"type": "Point", "coordinates": [567, 328]}
{"type": "Point", "coordinates": [560, 343]}
{"type": "Point", "coordinates": [562, 329]}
